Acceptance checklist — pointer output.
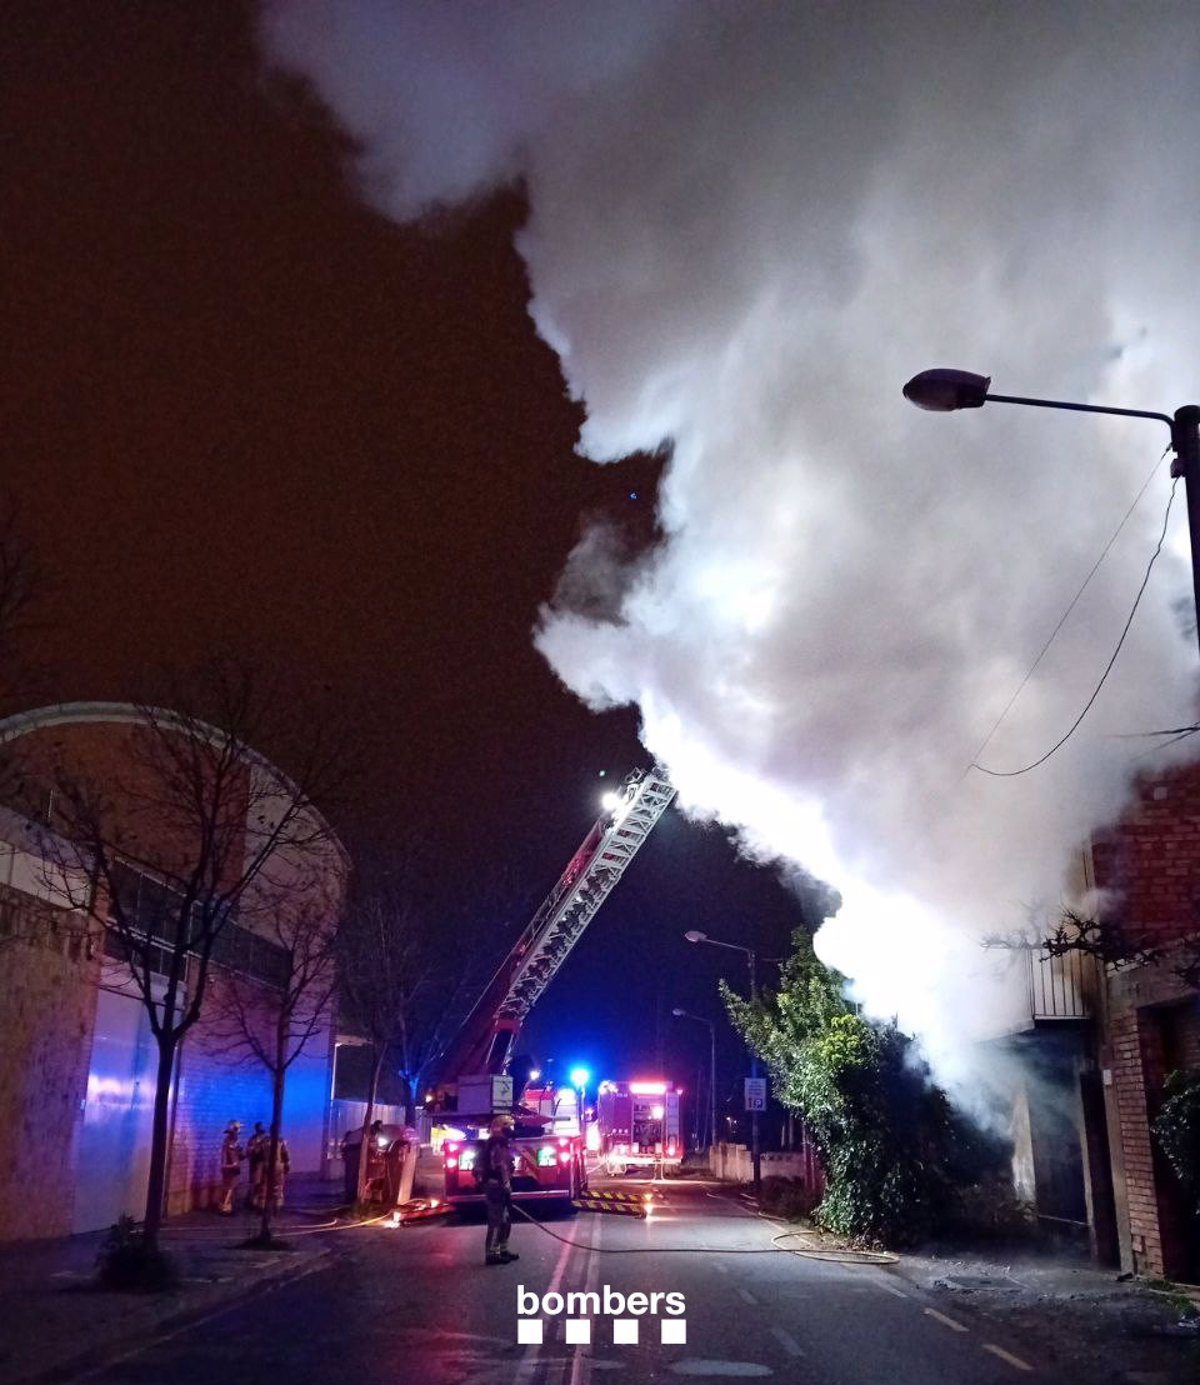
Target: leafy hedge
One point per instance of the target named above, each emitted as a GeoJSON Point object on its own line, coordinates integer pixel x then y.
{"type": "Point", "coordinates": [895, 1151]}
{"type": "Point", "coordinates": [1177, 1129]}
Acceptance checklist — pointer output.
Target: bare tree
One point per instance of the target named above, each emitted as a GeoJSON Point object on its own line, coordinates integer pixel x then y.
{"type": "Point", "coordinates": [272, 1022]}
{"type": "Point", "coordinates": [385, 967]}
{"type": "Point", "coordinates": [409, 962]}
{"type": "Point", "coordinates": [1112, 944]}
{"type": "Point", "coordinates": [163, 852]}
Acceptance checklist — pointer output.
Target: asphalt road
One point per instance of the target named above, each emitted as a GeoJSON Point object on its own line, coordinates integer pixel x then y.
{"type": "Point", "coordinates": [418, 1304]}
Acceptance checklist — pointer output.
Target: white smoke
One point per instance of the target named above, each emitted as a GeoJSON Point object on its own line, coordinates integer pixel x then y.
{"type": "Point", "coordinates": [750, 224]}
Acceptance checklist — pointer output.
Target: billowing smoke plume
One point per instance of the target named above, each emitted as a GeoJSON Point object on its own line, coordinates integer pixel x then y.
{"type": "Point", "coordinates": [750, 224]}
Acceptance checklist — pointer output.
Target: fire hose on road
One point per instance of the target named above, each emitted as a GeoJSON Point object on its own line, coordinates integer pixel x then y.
{"type": "Point", "coordinates": [849, 1257]}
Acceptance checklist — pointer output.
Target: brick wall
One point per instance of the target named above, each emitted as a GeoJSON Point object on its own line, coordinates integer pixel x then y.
{"type": "Point", "coordinates": [1146, 1005]}
{"type": "Point", "coordinates": [1149, 865]}
{"type": "Point", "coordinates": [1150, 862]}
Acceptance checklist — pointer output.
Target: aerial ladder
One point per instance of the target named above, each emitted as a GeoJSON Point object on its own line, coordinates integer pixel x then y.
{"type": "Point", "coordinates": [471, 1072]}
{"type": "Point", "coordinates": [484, 1042]}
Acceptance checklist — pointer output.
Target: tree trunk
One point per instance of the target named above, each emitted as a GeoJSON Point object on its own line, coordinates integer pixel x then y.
{"type": "Point", "coordinates": [368, 1116]}
{"type": "Point", "coordinates": [159, 1132]}
{"type": "Point", "coordinates": [270, 1183]}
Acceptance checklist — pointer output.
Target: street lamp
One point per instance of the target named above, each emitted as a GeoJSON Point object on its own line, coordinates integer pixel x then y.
{"type": "Point", "coordinates": [580, 1077]}
{"type": "Point", "coordinates": [712, 1069]}
{"type": "Point", "coordinates": [694, 935]}
{"type": "Point", "coordinates": [944, 390]}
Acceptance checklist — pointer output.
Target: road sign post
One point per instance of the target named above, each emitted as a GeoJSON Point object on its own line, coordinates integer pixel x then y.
{"type": "Point", "coordinates": [755, 1093]}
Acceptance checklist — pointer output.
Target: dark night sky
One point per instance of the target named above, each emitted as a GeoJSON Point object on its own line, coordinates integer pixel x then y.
{"type": "Point", "coordinates": [237, 402]}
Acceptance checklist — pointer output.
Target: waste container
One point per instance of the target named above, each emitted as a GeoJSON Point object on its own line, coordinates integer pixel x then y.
{"type": "Point", "coordinates": [386, 1149]}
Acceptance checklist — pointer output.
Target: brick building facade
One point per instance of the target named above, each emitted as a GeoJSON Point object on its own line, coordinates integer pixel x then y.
{"type": "Point", "coordinates": [77, 1059]}
{"type": "Point", "coordinates": [1148, 868]}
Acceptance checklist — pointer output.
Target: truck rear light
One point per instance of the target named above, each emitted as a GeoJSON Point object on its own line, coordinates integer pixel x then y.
{"type": "Point", "coordinates": [671, 1149]}
{"type": "Point", "coordinates": [451, 1162]}
{"type": "Point", "coordinates": [563, 1143]}
{"type": "Point", "coordinates": [564, 1157]}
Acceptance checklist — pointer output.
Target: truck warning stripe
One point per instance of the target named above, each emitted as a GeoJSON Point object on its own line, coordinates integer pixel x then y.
{"type": "Point", "coordinates": [622, 1196]}
{"type": "Point", "coordinates": [614, 1209]}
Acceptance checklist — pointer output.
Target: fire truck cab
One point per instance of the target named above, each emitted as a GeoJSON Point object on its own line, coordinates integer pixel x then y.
{"type": "Point", "coordinates": [545, 1166]}
{"type": "Point", "coordinates": [639, 1125]}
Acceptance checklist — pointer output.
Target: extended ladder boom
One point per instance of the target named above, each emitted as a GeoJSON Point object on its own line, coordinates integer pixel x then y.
{"type": "Point", "coordinates": [485, 1041]}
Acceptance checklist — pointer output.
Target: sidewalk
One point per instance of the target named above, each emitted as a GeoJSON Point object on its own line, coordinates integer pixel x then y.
{"type": "Point", "coordinates": [1091, 1324]}
{"type": "Point", "coordinates": [54, 1324]}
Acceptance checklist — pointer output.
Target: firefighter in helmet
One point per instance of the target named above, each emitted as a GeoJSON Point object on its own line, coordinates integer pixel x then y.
{"type": "Point", "coordinates": [256, 1158]}
{"type": "Point", "coordinates": [497, 1191]}
{"type": "Point", "coordinates": [231, 1167]}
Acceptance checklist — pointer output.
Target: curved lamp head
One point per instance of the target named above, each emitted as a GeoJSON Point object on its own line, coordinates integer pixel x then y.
{"type": "Point", "coordinates": [944, 390]}
{"type": "Point", "coordinates": [677, 1011]}
{"type": "Point", "coordinates": [694, 935]}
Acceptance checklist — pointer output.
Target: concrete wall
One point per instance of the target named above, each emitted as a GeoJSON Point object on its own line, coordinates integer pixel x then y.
{"type": "Point", "coordinates": [47, 1003]}
{"type": "Point", "coordinates": [733, 1164]}
{"type": "Point", "coordinates": [49, 983]}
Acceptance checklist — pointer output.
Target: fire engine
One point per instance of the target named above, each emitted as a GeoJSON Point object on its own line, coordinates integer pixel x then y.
{"type": "Point", "coordinates": [639, 1125]}
{"type": "Point", "coordinates": [474, 1085]}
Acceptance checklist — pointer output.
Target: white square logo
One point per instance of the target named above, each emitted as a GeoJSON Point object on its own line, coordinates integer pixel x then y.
{"type": "Point", "coordinates": [529, 1332]}
{"type": "Point", "coordinates": [674, 1331]}
{"type": "Point", "coordinates": [579, 1331]}
{"type": "Point", "coordinates": [625, 1332]}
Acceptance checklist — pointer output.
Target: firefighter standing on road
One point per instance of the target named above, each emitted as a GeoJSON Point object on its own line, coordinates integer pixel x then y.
{"type": "Point", "coordinates": [231, 1167]}
{"type": "Point", "coordinates": [497, 1191]}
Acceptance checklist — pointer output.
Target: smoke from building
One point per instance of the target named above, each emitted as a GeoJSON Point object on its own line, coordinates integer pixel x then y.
{"type": "Point", "coordinates": [749, 226]}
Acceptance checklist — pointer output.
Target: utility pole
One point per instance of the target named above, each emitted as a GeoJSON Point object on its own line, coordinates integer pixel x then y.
{"type": "Point", "coordinates": [755, 1146]}
{"type": "Point", "coordinates": [694, 935]}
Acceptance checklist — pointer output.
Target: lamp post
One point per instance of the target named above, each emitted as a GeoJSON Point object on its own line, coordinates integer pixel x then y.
{"type": "Point", "coordinates": [944, 390]}
{"type": "Point", "coordinates": [695, 936]}
{"type": "Point", "coordinates": [712, 1068]}
{"type": "Point", "coordinates": [579, 1080]}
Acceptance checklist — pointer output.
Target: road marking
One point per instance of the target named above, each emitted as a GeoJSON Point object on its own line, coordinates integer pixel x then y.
{"type": "Point", "coordinates": [1012, 1360]}
{"type": "Point", "coordinates": [529, 1362]}
{"type": "Point", "coordinates": [748, 1297]}
{"type": "Point", "coordinates": [581, 1363]}
{"type": "Point", "coordinates": [945, 1321]}
{"type": "Point", "coordinates": [787, 1341]}
{"type": "Point", "coordinates": [891, 1289]}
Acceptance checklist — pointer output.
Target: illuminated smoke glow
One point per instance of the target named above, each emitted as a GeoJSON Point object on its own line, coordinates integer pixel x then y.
{"type": "Point", "coordinates": [750, 225]}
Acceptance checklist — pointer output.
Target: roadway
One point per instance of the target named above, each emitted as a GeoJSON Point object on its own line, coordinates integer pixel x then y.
{"type": "Point", "coordinates": [417, 1303]}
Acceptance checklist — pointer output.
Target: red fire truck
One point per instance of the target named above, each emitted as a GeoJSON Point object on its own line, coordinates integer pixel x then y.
{"type": "Point", "coordinates": [473, 1085]}
{"type": "Point", "coordinates": [639, 1125]}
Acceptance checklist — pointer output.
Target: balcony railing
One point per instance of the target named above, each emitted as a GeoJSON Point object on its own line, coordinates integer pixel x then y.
{"type": "Point", "coordinates": [1061, 988]}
